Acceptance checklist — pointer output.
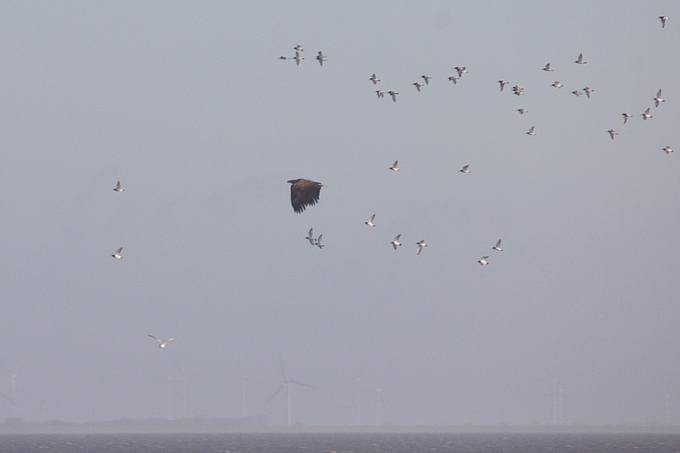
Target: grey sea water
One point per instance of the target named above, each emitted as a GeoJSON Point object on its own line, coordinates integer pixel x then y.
{"type": "Point", "coordinates": [345, 443]}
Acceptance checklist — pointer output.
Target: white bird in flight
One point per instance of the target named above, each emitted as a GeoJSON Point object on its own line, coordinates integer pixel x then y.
{"type": "Point", "coordinates": [668, 149]}
{"type": "Point", "coordinates": [453, 79]}
{"type": "Point", "coordinates": [426, 78]}
{"type": "Point", "coordinates": [417, 85]}
{"type": "Point", "coordinates": [283, 57]}
{"type": "Point", "coordinates": [394, 166]}
{"type": "Point", "coordinates": [588, 90]}
{"type": "Point", "coordinates": [380, 93]}
{"type": "Point", "coordinates": [460, 70]}
{"type": "Point", "coordinates": [502, 83]}
{"type": "Point", "coordinates": [310, 236]}
{"type": "Point", "coordinates": [393, 94]}
{"type": "Point", "coordinates": [369, 222]}
{"type": "Point", "coordinates": [579, 60]}
{"type": "Point", "coordinates": [522, 111]}
{"type": "Point", "coordinates": [395, 243]}
{"type": "Point", "coordinates": [646, 115]}
{"type": "Point", "coordinates": [531, 131]}
{"type": "Point", "coordinates": [298, 58]}
{"type": "Point", "coordinates": [374, 79]}
{"type": "Point", "coordinates": [557, 84]}
{"type": "Point", "coordinates": [318, 242]}
{"type": "Point", "coordinates": [663, 20]}
{"type": "Point", "coordinates": [421, 244]}
{"type": "Point", "coordinates": [576, 93]}
{"type": "Point", "coordinates": [161, 344]}
{"type": "Point", "coordinates": [118, 188]}
{"type": "Point", "coordinates": [117, 254]}
{"type": "Point", "coordinates": [658, 99]}
{"type": "Point", "coordinates": [299, 48]}
{"type": "Point", "coordinates": [465, 169]}
{"type": "Point", "coordinates": [321, 58]}
{"type": "Point", "coordinates": [497, 246]}
{"type": "Point", "coordinates": [612, 133]}
{"type": "Point", "coordinates": [483, 261]}
{"type": "Point", "coordinates": [547, 67]}
{"type": "Point", "coordinates": [625, 117]}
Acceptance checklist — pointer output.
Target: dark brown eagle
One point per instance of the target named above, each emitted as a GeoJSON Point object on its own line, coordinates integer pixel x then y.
{"type": "Point", "coordinates": [303, 193]}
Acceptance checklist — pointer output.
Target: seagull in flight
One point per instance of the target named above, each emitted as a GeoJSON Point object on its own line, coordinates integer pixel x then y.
{"type": "Point", "coordinates": [298, 58]}
{"type": "Point", "coordinates": [502, 83]}
{"type": "Point", "coordinates": [117, 254]}
{"type": "Point", "coordinates": [646, 115]}
{"type": "Point", "coordinates": [522, 111]}
{"type": "Point", "coordinates": [369, 222]}
{"type": "Point", "coordinates": [557, 84]}
{"type": "Point", "coordinates": [421, 244]}
{"type": "Point", "coordinates": [497, 246]}
{"type": "Point", "coordinates": [417, 85]}
{"type": "Point", "coordinates": [161, 344]}
{"type": "Point", "coordinates": [658, 99]}
{"type": "Point", "coordinates": [393, 94]}
{"type": "Point", "coordinates": [118, 188]}
{"type": "Point", "coordinates": [460, 70]}
{"type": "Point", "coordinates": [374, 79]}
{"type": "Point", "coordinates": [625, 117]}
{"type": "Point", "coordinates": [668, 149]}
{"type": "Point", "coordinates": [531, 131]}
{"type": "Point", "coordinates": [395, 243]}
{"type": "Point", "coordinates": [612, 133]}
{"type": "Point", "coordinates": [579, 60]}
{"type": "Point", "coordinates": [465, 169]}
{"type": "Point", "coordinates": [321, 57]}
{"type": "Point", "coordinates": [547, 67]}
{"type": "Point", "coordinates": [663, 20]}
{"type": "Point", "coordinates": [318, 242]}
{"type": "Point", "coordinates": [394, 166]}
{"type": "Point", "coordinates": [453, 79]}
{"type": "Point", "coordinates": [380, 93]}
{"type": "Point", "coordinates": [426, 78]}
{"type": "Point", "coordinates": [310, 237]}
{"type": "Point", "coordinates": [588, 90]}
{"type": "Point", "coordinates": [483, 261]}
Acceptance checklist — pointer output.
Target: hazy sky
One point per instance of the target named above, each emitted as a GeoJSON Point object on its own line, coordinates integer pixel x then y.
{"type": "Point", "coordinates": [190, 107]}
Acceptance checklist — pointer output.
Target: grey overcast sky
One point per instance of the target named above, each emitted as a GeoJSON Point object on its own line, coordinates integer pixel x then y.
{"type": "Point", "coordinates": [190, 107]}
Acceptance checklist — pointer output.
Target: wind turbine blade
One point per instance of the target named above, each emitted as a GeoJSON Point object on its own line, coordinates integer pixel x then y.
{"type": "Point", "coordinates": [300, 383]}
{"type": "Point", "coordinates": [283, 372]}
{"type": "Point", "coordinates": [275, 393]}
{"type": "Point", "coordinates": [8, 398]}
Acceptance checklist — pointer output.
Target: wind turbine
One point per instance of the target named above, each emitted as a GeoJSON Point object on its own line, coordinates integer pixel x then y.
{"type": "Point", "coordinates": [15, 376]}
{"type": "Point", "coordinates": [287, 384]}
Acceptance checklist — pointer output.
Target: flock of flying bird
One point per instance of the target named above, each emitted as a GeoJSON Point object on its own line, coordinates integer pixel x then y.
{"type": "Point", "coordinates": [305, 192]}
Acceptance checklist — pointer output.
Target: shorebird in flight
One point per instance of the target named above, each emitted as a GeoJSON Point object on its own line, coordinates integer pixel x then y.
{"type": "Point", "coordinates": [465, 169]}
{"type": "Point", "coordinates": [374, 79]}
{"type": "Point", "coordinates": [417, 85]}
{"type": "Point", "coordinates": [393, 94]}
{"type": "Point", "coordinates": [117, 254]}
{"type": "Point", "coordinates": [497, 246]}
{"type": "Point", "coordinates": [394, 166]}
{"type": "Point", "coordinates": [453, 79]}
{"type": "Point", "coordinates": [502, 83]}
{"type": "Point", "coordinates": [579, 60]}
{"type": "Point", "coordinates": [161, 344]}
{"type": "Point", "coordinates": [460, 70]}
{"type": "Point", "coordinates": [517, 90]}
{"type": "Point", "coordinates": [547, 67]}
{"type": "Point", "coordinates": [663, 20]}
{"type": "Point", "coordinates": [118, 188]}
{"type": "Point", "coordinates": [283, 57]}
{"type": "Point", "coordinates": [625, 117]}
{"type": "Point", "coordinates": [310, 236]}
{"type": "Point", "coordinates": [299, 48]}
{"type": "Point", "coordinates": [318, 242]}
{"type": "Point", "coordinates": [588, 90]}
{"type": "Point", "coordinates": [395, 243]}
{"type": "Point", "coordinates": [646, 115]}
{"type": "Point", "coordinates": [658, 100]}
{"type": "Point", "coordinates": [321, 58]}
{"type": "Point", "coordinates": [576, 93]}
{"type": "Point", "coordinates": [668, 149]}
{"type": "Point", "coordinates": [612, 133]}
{"type": "Point", "coordinates": [369, 222]}
{"type": "Point", "coordinates": [421, 244]}
{"type": "Point", "coordinates": [380, 93]}
{"type": "Point", "coordinates": [298, 58]}
{"type": "Point", "coordinates": [426, 78]}
{"type": "Point", "coordinates": [557, 84]}
{"type": "Point", "coordinates": [483, 261]}
{"type": "Point", "coordinates": [531, 131]}
{"type": "Point", "coordinates": [522, 111]}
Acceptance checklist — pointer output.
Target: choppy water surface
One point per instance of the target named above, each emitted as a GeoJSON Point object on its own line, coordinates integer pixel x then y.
{"type": "Point", "coordinates": [342, 442]}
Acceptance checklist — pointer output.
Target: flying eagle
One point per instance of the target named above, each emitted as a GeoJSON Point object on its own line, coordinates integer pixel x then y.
{"type": "Point", "coordinates": [303, 193]}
